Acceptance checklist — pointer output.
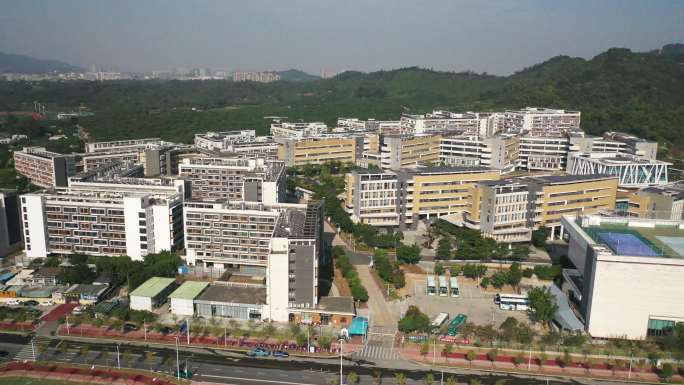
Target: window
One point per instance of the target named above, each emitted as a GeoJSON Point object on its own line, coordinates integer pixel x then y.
{"type": "Point", "coordinates": [660, 327]}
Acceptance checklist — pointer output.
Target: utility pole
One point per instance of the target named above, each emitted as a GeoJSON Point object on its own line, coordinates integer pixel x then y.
{"type": "Point", "coordinates": [118, 361]}
{"type": "Point", "coordinates": [33, 350]}
{"type": "Point", "coordinates": [187, 324]}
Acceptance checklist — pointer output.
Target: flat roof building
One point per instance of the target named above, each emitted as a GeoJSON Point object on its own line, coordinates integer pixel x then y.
{"type": "Point", "coordinates": [320, 150]}
{"type": "Point", "coordinates": [182, 299]}
{"type": "Point", "coordinates": [152, 293]}
{"type": "Point", "coordinates": [628, 267]}
{"type": "Point", "coordinates": [281, 243]}
{"type": "Point", "coordinates": [222, 178]}
{"type": "Point", "coordinates": [45, 168]}
{"type": "Point", "coordinates": [10, 223]}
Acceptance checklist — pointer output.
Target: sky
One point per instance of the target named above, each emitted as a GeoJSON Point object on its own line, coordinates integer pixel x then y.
{"type": "Point", "coordinates": [493, 36]}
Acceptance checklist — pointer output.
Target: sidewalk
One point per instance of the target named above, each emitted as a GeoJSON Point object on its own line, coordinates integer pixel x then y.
{"type": "Point", "coordinates": [532, 365]}
{"type": "Point", "coordinates": [230, 343]}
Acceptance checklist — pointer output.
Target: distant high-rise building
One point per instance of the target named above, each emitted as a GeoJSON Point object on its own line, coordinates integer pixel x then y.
{"type": "Point", "coordinates": [261, 77]}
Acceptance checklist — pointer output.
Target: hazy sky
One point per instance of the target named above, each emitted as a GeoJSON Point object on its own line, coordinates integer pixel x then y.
{"type": "Point", "coordinates": [495, 36]}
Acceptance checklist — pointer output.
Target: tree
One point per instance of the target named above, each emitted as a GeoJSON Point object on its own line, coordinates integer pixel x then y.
{"type": "Point", "coordinates": [514, 275]}
{"type": "Point", "coordinates": [429, 379]}
{"type": "Point", "coordinates": [424, 349]}
{"type": "Point", "coordinates": [666, 372]}
{"type": "Point", "coordinates": [508, 329]}
{"type": "Point", "coordinates": [455, 270]}
{"type": "Point", "coordinates": [470, 357]}
{"type": "Point", "coordinates": [492, 355]}
{"type": "Point", "coordinates": [543, 305]}
{"type": "Point", "coordinates": [451, 381]}
{"type": "Point", "coordinates": [518, 360]}
{"type": "Point", "coordinates": [400, 379]}
{"type": "Point", "coordinates": [543, 357]}
{"type": "Point", "coordinates": [408, 254]}
{"type": "Point", "coordinates": [377, 376]}
{"type": "Point", "coordinates": [439, 268]}
{"type": "Point", "coordinates": [443, 249]}
{"type": "Point", "coordinates": [414, 320]}
{"type": "Point", "coordinates": [352, 378]}
{"type": "Point", "coordinates": [540, 236]}
{"type": "Point", "coordinates": [485, 282]}
{"type": "Point", "coordinates": [447, 349]}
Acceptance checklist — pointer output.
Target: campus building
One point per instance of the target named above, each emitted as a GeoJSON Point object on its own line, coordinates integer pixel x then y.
{"type": "Point", "coordinates": [101, 223]}
{"type": "Point", "coordinates": [657, 202]}
{"type": "Point", "coordinates": [399, 151]}
{"type": "Point", "coordinates": [403, 197]}
{"type": "Point", "coordinates": [628, 267]}
{"type": "Point", "coordinates": [222, 141]}
{"type": "Point", "coordinates": [219, 178]}
{"type": "Point", "coordinates": [281, 243]}
{"type": "Point", "coordinates": [320, 150]}
{"type": "Point", "coordinates": [45, 168]}
{"type": "Point", "coordinates": [499, 152]}
{"type": "Point", "coordinates": [547, 152]}
{"type": "Point", "coordinates": [540, 120]}
{"type": "Point", "coordinates": [297, 130]}
{"type": "Point", "coordinates": [440, 121]}
{"type": "Point", "coordinates": [509, 210]}
{"type": "Point", "coordinates": [10, 223]}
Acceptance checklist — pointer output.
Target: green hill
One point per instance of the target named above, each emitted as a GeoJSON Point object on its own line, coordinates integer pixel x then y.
{"type": "Point", "coordinates": [293, 75]}
{"type": "Point", "coordinates": [29, 65]}
{"type": "Point", "coordinates": [635, 92]}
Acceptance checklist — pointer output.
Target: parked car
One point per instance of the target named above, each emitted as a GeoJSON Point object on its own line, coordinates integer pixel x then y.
{"type": "Point", "coordinates": [129, 327]}
{"type": "Point", "coordinates": [13, 302]}
{"type": "Point", "coordinates": [78, 310]}
{"type": "Point", "coordinates": [49, 302]}
{"type": "Point", "coordinates": [30, 303]}
{"type": "Point", "coordinates": [281, 354]}
{"type": "Point", "coordinates": [166, 330]}
{"type": "Point", "coordinates": [258, 352]}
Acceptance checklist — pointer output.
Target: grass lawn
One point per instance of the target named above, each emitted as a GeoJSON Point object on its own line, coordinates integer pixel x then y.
{"type": "Point", "coordinates": [33, 381]}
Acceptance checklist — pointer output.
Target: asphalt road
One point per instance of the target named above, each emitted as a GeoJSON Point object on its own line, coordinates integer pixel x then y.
{"type": "Point", "coordinates": [238, 369]}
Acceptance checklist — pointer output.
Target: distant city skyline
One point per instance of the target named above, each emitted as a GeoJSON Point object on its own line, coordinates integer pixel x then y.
{"type": "Point", "coordinates": [494, 36]}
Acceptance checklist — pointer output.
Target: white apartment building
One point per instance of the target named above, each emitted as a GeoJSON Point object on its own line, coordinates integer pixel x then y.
{"type": "Point", "coordinates": [223, 141]}
{"type": "Point", "coordinates": [277, 247]}
{"type": "Point", "coordinates": [440, 121]}
{"type": "Point", "coordinates": [499, 152]}
{"type": "Point", "coordinates": [615, 143]}
{"type": "Point", "coordinates": [545, 120]}
{"type": "Point", "coordinates": [121, 145]}
{"type": "Point", "coordinates": [297, 130]}
{"type": "Point", "coordinates": [374, 197]}
{"type": "Point", "coordinates": [504, 206]}
{"type": "Point", "coordinates": [545, 152]}
{"type": "Point", "coordinates": [217, 178]}
{"type": "Point", "coordinates": [101, 223]}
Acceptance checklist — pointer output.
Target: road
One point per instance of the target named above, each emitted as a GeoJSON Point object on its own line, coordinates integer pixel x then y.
{"type": "Point", "coordinates": [209, 365]}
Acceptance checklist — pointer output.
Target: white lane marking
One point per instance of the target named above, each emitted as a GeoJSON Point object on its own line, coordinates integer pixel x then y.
{"type": "Point", "coordinates": [255, 380]}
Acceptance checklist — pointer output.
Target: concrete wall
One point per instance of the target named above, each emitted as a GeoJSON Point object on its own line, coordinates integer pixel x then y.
{"type": "Point", "coordinates": [182, 306]}
{"type": "Point", "coordinates": [627, 291]}
{"type": "Point", "coordinates": [141, 303]}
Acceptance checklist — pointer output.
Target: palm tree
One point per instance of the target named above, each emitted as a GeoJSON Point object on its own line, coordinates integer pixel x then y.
{"type": "Point", "coordinates": [150, 358]}
{"type": "Point", "coordinates": [470, 356]}
{"type": "Point", "coordinates": [429, 379]}
{"type": "Point", "coordinates": [447, 350]}
{"type": "Point", "coordinates": [451, 381]}
{"type": "Point", "coordinates": [352, 378]}
{"type": "Point", "coordinates": [492, 355]}
{"type": "Point", "coordinates": [377, 377]}
{"type": "Point", "coordinates": [400, 379]}
{"type": "Point", "coordinates": [475, 381]}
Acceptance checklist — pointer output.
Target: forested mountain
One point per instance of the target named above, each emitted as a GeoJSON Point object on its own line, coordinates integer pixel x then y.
{"type": "Point", "coordinates": [293, 75]}
{"type": "Point", "coordinates": [30, 65]}
{"type": "Point", "coordinates": [641, 93]}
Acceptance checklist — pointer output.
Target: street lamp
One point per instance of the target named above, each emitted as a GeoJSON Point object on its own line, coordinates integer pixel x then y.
{"type": "Point", "coordinates": [118, 361]}
{"type": "Point", "coordinates": [341, 340]}
{"type": "Point", "coordinates": [177, 362]}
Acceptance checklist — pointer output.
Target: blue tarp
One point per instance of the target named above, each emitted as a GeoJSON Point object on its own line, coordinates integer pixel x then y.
{"type": "Point", "coordinates": [359, 326]}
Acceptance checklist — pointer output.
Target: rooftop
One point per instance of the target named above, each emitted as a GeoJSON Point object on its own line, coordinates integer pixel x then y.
{"type": "Point", "coordinates": [562, 179]}
{"type": "Point", "coordinates": [189, 290]}
{"type": "Point", "coordinates": [661, 239]}
{"type": "Point", "coordinates": [234, 294]}
{"type": "Point", "coordinates": [337, 305]}
{"type": "Point", "coordinates": [152, 287]}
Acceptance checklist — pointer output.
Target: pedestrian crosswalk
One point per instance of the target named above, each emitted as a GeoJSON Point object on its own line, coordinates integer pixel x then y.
{"type": "Point", "coordinates": [376, 350]}
{"type": "Point", "coordinates": [31, 350]}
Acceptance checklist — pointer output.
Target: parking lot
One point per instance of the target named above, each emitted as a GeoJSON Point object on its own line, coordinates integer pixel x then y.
{"type": "Point", "coordinates": [474, 302]}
